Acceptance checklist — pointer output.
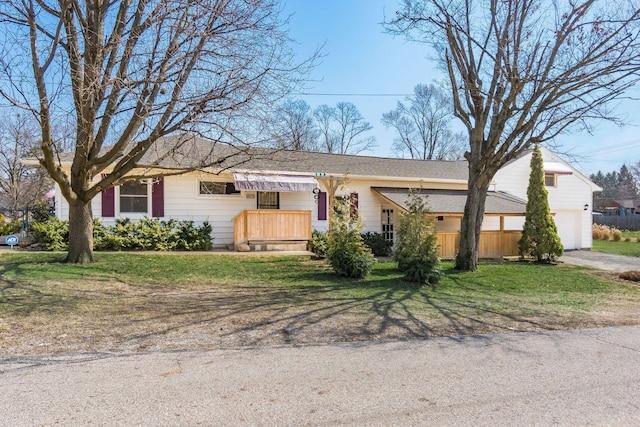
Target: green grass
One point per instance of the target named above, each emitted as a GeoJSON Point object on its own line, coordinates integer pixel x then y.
{"type": "Point", "coordinates": [496, 286]}
{"type": "Point", "coordinates": [617, 248]}
{"type": "Point", "coordinates": [631, 234]}
{"type": "Point", "coordinates": [128, 301]}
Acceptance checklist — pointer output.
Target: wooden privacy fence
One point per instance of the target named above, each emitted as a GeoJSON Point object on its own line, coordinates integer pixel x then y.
{"type": "Point", "coordinates": [271, 225]}
{"type": "Point", "coordinates": [493, 244]}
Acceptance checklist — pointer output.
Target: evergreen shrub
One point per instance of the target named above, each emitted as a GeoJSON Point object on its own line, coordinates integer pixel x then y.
{"type": "Point", "coordinates": [540, 238]}
{"type": "Point", "coordinates": [377, 243]}
{"type": "Point", "coordinates": [347, 254]}
{"type": "Point", "coordinates": [416, 249]}
{"type": "Point", "coordinates": [146, 234]}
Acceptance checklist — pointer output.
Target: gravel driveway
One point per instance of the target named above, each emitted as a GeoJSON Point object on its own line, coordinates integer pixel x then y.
{"type": "Point", "coordinates": [601, 261]}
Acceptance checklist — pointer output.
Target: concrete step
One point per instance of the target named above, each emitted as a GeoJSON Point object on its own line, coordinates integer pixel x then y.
{"type": "Point", "coordinates": [278, 246]}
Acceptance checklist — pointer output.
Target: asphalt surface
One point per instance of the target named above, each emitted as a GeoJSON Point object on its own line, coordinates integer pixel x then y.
{"type": "Point", "coordinates": [578, 378]}
{"type": "Point", "coordinates": [601, 260]}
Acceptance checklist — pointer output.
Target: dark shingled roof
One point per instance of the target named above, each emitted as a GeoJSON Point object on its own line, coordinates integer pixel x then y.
{"type": "Point", "coordinates": [453, 201]}
{"type": "Point", "coordinates": [200, 153]}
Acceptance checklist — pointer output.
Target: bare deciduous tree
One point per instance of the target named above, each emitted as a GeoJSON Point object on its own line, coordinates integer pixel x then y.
{"type": "Point", "coordinates": [324, 117]}
{"type": "Point", "coordinates": [294, 127]}
{"type": "Point", "coordinates": [21, 186]}
{"type": "Point", "coordinates": [351, 129]}
{"type": "Point", "coordinates": [343, 129]}
{"type": "Point", "coordinates": [523, 72]}
{"type": "Point", "coordinates": [132, 72]}
{"type": "Point", "coordinates": [423, 125]}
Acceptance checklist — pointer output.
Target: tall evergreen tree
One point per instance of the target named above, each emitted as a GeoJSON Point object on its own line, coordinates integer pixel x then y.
{"type": "Point", "coordinates": [540, 238]}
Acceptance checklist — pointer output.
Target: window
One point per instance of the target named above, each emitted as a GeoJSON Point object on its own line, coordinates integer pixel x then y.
{"type": "Point", "coordinates": [387, 224]}
{"type": "Point", "coordinates": [134, 197]}
{"type": "Point", "coordinates": [550, 179]}
{"type": "Point", "coordinates": [268, 200]}
{"type": "Point", "coordinates": [207, 188]}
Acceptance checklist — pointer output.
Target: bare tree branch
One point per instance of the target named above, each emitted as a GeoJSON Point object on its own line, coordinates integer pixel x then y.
{"type": "Point", "coordinates": [523, 72]}
{"type": "Point", "coordinates": [131, 73]}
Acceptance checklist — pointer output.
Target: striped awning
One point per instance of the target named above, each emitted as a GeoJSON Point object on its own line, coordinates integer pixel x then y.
{"type": "Point", "coordinates": [274, 182]}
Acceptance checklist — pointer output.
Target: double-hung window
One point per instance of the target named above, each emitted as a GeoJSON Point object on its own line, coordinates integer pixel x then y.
{"type": "Point", "coordinates": [134, 197]}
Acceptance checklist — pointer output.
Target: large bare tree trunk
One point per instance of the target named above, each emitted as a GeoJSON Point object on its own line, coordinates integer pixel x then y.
{"type": "Point", "coordinates": [80, 233]}
{"type": "Point", "coordinates": [467, 258]}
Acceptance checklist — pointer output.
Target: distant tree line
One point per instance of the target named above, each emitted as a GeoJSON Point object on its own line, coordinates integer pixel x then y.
{"type": "Point", "coordinates": [616, 185]}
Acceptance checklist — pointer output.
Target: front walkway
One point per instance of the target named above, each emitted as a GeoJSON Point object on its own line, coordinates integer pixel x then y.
{"type": "Point", "coordinates": [601, 261]}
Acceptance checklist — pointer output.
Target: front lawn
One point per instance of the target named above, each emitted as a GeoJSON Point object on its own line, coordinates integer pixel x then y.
{"type": "Point", "coordinates": [135, 302]}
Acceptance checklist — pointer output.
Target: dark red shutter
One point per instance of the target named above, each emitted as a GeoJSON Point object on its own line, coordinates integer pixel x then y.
{"type": "Point", "coordinates": [354, 204]}
{"type": "Point", "coordinates": [322, 206]}
{"type": "Point", "coordinates": [108, 202]}
{"type": "Point", "coordinates": [157, 197]}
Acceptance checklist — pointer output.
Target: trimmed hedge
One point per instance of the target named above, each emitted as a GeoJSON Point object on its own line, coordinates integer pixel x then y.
{"type": "Point", "coordinates": [146, 234]}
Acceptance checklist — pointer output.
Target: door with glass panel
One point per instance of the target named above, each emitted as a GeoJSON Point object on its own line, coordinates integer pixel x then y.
{"type": "Point", "coordinates": [268, 200]}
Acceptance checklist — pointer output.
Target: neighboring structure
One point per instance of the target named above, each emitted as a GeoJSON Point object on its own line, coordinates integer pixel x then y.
{"type": "Point", "coordinates": [622, 207]}
{"type": "Point", "coordinates": [271, 197]}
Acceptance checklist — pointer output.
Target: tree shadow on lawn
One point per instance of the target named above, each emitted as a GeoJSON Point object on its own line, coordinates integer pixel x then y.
{"type": "Point", "coordinates": [301, 305]}
{"type": "Point", "coordinates": [334, 311]}
{"type": "Point", "coordinates": [24, 297]}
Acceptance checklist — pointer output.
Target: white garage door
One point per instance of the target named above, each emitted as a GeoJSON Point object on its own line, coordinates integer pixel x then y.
{"type": "Point", "coordinates": [569, 228]}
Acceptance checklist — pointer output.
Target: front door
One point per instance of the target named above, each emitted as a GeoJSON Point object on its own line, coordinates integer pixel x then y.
{"type": "Point", "coordinates": [268, 200]}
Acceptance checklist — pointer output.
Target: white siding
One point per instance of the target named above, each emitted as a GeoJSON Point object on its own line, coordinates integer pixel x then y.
{"type": "Point", "coordinates": [566, 200]}
{"type": "Point", "coordinates": [370, 204]}
{"type": "Point", "coordinates": [183, 202]}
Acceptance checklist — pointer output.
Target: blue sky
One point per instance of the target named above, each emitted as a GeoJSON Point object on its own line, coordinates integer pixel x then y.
{"type": "Point", "coordinates": [361, 59]}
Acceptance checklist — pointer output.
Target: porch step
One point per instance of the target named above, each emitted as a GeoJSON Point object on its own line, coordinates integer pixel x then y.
{"type": "Point", "coordinates": [272, 245]}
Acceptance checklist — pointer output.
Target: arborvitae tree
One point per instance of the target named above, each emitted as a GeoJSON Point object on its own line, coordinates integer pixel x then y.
{"type": "Point", "coordinates": [417, 244]}
{"type": "Point", "coordinates": [347, 254]}
{"type": "Point", "coordinates": [540, 238]}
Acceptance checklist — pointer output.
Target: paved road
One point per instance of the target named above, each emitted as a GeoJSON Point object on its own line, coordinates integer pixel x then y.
{"type": "Point", "coordinates": [587, 377]}
{"type": "Point", "coordinates": [601, 260]}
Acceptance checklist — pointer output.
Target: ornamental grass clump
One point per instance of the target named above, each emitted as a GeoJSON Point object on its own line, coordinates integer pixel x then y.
{"type": "Point", "coordinates": [617, 235]}
{"type": "Point", "coordinates": [604, 232]}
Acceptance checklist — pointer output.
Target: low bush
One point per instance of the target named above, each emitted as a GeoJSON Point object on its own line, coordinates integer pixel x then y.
{"type": "Point", "coordinates": [53, 234]}
{"type": "Point", "coordinates": [10, 227]}
{"type": "Point", "coordinates": [377, 243]}
{"type": "Point", "coordinates": [319, 243]}
{"type": "Point", "coordinates": [146, 234]}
